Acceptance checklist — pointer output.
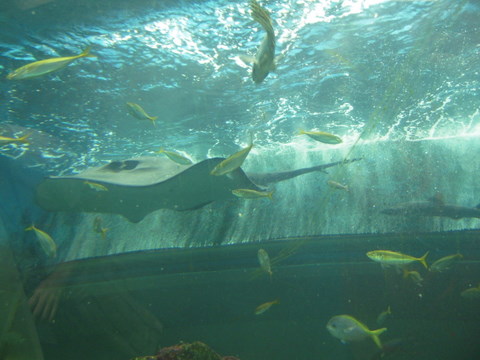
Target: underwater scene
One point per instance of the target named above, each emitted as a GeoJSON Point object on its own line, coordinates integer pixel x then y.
{"type": "Point", "coordinates": [239, 180]}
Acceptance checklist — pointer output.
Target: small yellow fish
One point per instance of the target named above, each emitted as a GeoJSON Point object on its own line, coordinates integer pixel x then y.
{"type": "Point", "coordinates": [137, 111]}
{"type": "Point", "coordinates": [252, 194]}
{"type": "Point", "coordinates": [42, 67]}
{"type": "Point", "coordinates": [337, 185]}
{"type": "Point", "coordinates": [264, 261]}
{"type": "Point", "coordinates": [445, 262]}
{"type": "Point", "coordinates": [414, 276]}
{"type": "Point", "coordinates": [174, 156]}
{"type": "Point", "coordinates": [97, 227]}
{"type": "Point", "coordinates": [392, 258]}
{"type": "Point", "coordinates": [94, 186]}
{"type": "Point", "coordinates": [260, 309]}
{"type": "Point", "coordinates": [383, 316]}
{"type": "Point", "coordinates": [347, 328]}
{"type": "Point", "coordinates": [45, 240]}
{"type": "Point", "coordinates": [321, 136]}
{"type": "Point", "coordinates": [471, 293]}
{"type": "Point", "coordinates": [231, 163]}
{"type": "Point", "coordinates": [8, 140]}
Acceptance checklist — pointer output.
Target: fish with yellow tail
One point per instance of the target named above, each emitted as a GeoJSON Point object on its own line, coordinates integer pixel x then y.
{"type": "Point", "coordinates": [445, 262]}
{"type": "Point", "coordinates": [382, 317]}
{"type": "Point", "coordinates": [45, 240]}
{"type": "Point", "coordinates": [252, 194]}
{"type": "Point", "coordinates": [176, 157]}
{"type": "Point", "coordinates": [137, 111]}
{"type": "Point", "coordinates": [260, 309]}
{"type": "Point", "coordinates": [8, 140]}
{"type": "Point", "coordinates": [97, 227]}
{"type": "Point", "coordinates": [95, 186]}
{"type": "Point", "coordinates": [414, 276]}
{"type": "Point", "coordinates": [43, 67]}
{"type": "Point", "coordinates": [264, 261]}
{"type": "Point", "coordinates": [471, 293]}
{"type": "Point", "coordinates": [338, 186]}
{"type": "Point", "coordinates": [322, 137]}
{"type": "Point", "coordinates": [264, 60]}
{"type": "Point", "coordinates": [347, 328]}
{"type": "Point", "coordinates": [232, 163]}
{"type": "Point", "coordinates": [392, 258]}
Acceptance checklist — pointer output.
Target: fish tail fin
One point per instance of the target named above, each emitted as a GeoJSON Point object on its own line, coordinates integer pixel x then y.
{"type": "Point", "coordinates": [301, 132]}
{"type": "Point", "coordinates": [270, 195]}
{"type": "Point", "coordinates": [161, 151]}
{"type": "Point", "coordinates": [276, 301]}
{"type": "Point", "coordinates": [261, 16]}
{"type": "Point", "coordinates": [389, 310]}
{"type": "Point", "coordinates": [375, 336]}
{"type": "Point", "coordinates": [152, 119]}
{"type": "Point", "coordinates": [31, 227]}
{"type": "Point", "coordinates": [23, 139]}
{"type": "Point", "coordinates": [423, 260]}
{"type": "Point", "coordinates": [86, 52]}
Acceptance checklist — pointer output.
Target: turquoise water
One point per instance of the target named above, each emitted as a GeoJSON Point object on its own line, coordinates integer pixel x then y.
{"type": "Point", "coordinates": [397, 81]}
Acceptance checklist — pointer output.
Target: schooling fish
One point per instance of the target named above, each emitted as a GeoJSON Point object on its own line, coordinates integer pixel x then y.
{"type": "Point", "coordinates": [137, 111]}
{"type": "Point", "coordinates": [232, 162]}
{"type": "Point", "coordinates": [46, 242]}
{"type": "Point", "coordinates": [252, 194]}
{"type": "Point", "coordinates": [347, 328]}
{"type": "Point", "coordinates": [8, 140]}
{"type": "Point", "coordinates": [322, 137]}
{"type": "Point", "coordinates": [264, 261]}
{"type": "Point", "coordinates": [264, 307]}
{"type": "Point", "coordinates": [264, 60]}
{"type": "Point", "coordinates": [174, 156]}
{"type": "Point", "coordinates": [445, 263]}
{"type": "Point", "coordinates": [42, 67]}
{"type": "Point", "coordinates": [392, 258]}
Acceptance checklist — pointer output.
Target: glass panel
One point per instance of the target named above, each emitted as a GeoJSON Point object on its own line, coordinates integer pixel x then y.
{"type": "Point", "coordinates": [268, 178]}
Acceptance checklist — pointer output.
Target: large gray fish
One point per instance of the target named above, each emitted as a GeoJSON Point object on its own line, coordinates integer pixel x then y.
{"type": "Point", "coordinates": [433, 207]}
{"type": "Point", "coordinates": [264, 60]}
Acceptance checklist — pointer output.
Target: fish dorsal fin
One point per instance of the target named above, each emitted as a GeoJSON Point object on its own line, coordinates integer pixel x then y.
{"type": "Point", "coordinates": [437, 199]}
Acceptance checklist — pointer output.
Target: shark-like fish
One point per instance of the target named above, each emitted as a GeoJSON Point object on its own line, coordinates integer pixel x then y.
{"type": "Point", "coordinates": [264, 60]}
{"type": "Point", "coordinates": [434, 206]}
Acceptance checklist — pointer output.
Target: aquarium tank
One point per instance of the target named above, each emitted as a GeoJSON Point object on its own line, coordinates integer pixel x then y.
{"type": "Point", "coordinates": [239, 180]}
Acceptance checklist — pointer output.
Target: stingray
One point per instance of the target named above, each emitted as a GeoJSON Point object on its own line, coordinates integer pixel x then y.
{"type": "Point", "coordinates": [136, 187]}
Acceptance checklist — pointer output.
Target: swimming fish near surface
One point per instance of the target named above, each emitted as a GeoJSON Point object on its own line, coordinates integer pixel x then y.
{"type": "Point", "coordinates": [95, 186]}
{"type": "Point", "coordinates": [45, 240]}
{"type": "Point", "coordinates": [322, 137]}
{"type": "Point", "coordinates": [264, 60]}
{"type": "Point", "coordinates": [174, 156]}
{"type": "Point", "coordinates": [264, 261]}
{"type": "Point", "coordinates": [252, 194]}
{"type": "Point", "coordinates": [445, 262]}
{"type": "Point", "coordinates": [337, 185]}
{"type": "Point", "coordinates": [137, 111]}
{"type": "Point", "coordinates": [382, 317]}
{"type": "Point", "coordinates": [232, 162]}
{"type": "Point", "coordinates": [347, 328]}
{"type": "Point", "coordinates": [392, 258]}
{"type": "Point", "coordinates": [260, 309]}
{"type": "Point", "coordinates": [43, 67]}
{"type": "Point", "coordinates": [8, 140]}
